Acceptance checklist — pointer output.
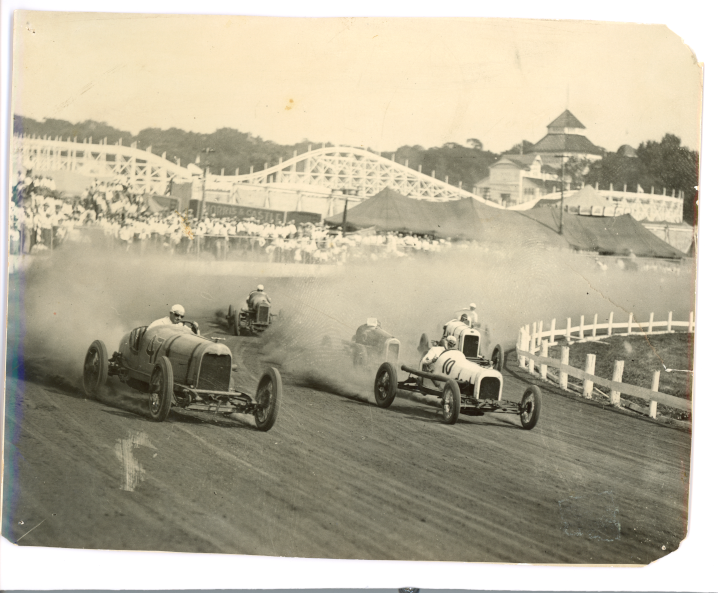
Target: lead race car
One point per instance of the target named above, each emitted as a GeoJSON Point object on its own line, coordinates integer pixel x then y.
{"type": "Point", "coordinates": [176, 366]}
{"type": "Point", "coordinates": [470, 385]}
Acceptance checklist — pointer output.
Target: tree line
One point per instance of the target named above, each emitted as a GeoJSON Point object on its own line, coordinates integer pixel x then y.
{"type": "Point", "coordinates": [656, 164]}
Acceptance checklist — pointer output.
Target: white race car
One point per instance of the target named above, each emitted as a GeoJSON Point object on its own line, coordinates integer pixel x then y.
{"type": "Point", "coordinates": [470, 385]}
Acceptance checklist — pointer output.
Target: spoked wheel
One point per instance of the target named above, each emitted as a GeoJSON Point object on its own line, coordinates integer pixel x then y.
{"type": "Point", "coordinates": [161, 389]}
{"type": "Point", "coordinates": [385, 385]}
{"type": "Point", "coordinates": [269, 398]}
{"type": "Point", "coordinates": [451, 402]}
{"type": "Point", "coordinates": [236, 327]}
{"type": "Point", "coordinates": [95, 369]}
{"type": "Point", "coordinates": [497, 358]}
{"type": "Point", "coordinates": [424, 344]}
{"type": "Point", "coordinates": [530, 407]}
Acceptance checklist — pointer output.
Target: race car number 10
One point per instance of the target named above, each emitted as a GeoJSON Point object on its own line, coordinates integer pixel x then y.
{"type": "Point", "coordinates": [448, 365]}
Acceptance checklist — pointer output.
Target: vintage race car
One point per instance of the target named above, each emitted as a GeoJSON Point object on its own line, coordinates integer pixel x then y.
{"type": "Point", "coordinates": [175, 366]}
{"type": "Point", "coordinates": [372, 345]}
{"type": "Point", "coordinates": [466, 385]}
{"type": "Point", "coordinates": [468, 341]}
{"type": "Point", "coordinates": [253, 322]}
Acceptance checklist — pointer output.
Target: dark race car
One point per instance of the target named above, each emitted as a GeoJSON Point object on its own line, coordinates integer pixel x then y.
{"type": "Point", "coordinates": [253, 321]}
{"type": "Point", "coordinates": [371, 345]}
{"type": "Point", "coordinates": [177, 367]}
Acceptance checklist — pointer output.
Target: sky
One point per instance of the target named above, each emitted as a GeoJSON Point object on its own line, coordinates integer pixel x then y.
{"type": "Point", "coordinates": [371, 82]}
{"type": "Point", "coordinates": [119, 79]}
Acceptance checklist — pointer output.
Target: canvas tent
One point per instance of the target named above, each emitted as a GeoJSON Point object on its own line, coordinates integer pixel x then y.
{"type": "Point", "coordinates": [619, 235]}
{"type": "Point", "coordinates": [390, 211]}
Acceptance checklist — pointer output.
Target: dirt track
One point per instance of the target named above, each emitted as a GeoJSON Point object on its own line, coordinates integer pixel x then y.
{"type": "Point", "coordinates": [338, 477]}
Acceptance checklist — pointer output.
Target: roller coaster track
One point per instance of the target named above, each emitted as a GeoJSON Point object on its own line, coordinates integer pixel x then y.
{"type": "Point", "coordinates": [330, 167]}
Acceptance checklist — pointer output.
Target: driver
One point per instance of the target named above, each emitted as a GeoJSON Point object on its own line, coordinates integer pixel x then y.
{"type": "Point", "coordinates": [370, 332]}
{"type": "Point", "coordinates": [257, 297]}
{"type": "Point", "coordinates": [427, 363]}
{"type": "Point", "coordinates": [176, 316]}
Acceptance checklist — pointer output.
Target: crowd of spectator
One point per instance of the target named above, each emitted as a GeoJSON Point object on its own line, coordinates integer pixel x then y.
{"type": "Point", "coordinates": [122, 219]}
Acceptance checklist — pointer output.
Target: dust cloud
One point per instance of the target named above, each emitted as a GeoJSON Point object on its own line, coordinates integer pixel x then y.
{"type": "Point", "coordinates": [77, 295]}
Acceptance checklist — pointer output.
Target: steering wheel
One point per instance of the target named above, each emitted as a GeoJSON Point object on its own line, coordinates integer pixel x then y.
{"type": "Point", "coordinates": [193, 325]}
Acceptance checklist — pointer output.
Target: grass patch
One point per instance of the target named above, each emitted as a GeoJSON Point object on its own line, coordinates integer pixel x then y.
{"type": "Point", "coordinates": [642, 355]}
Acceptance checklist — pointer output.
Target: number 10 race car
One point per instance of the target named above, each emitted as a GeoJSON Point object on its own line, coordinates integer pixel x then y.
{"type": "Point", "coordinates": [174, 366]}
{"type": "Point", "coordinates": [470, 385]}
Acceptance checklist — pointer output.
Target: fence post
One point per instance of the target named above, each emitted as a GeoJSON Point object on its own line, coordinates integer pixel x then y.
{"type": "Point", "coordinates": [630, 322]}
{"type": "Point", "coordinates": [532, 365]}
{"type": "Point", "coordinates": [690, 322]}
{"type": "Point", "coordinates": [544, 353]}
{"type": "Point", "coordinates": [580, 329]}
{"type": "Point", "coordinates": [618, 377]}
{"type": "Point", "coordinates": [540, 334]}
{"type": "Point", "coordinates": [653, 406]}
{"type": "Point", "coordinates": [553, 330]}
{"type": "Point", "coordinates": [595, 323]}
{"type": "Point", "coordinates": [533, 338]}
{"type": "Point", "coordinates": [590, 368]}
{"type": "Point", "coordinates": [650, 324]}
{"type": "Point", "coordinates": [562, 375]}
{"type": "Point", "coordinates": [669, 327]}
{"type": "Point", "coordinates": [568, 329]}
{"type": "Point", "coordinates": [519, 346]}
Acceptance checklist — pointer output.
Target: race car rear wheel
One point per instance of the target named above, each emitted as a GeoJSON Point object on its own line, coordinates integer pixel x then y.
{"type": "Point", "coordinates": [161, 389]}
{"type": "Point", "coordinates": [424, 344]}
{"type": "Point", "coordinates": [269, 398]}
{"type": "Point", "coordinates": [497, 358]}
{"type": "Point", "coordinates": [95, 369]}
{"type": "Point", "coordinates": [385, 385]}
{"type": "Point", "coordinates": [236, 327]}
{"type": "Point", "coordinates": [530, 407]}
{"type": "Point", "coordinates": [451, 402]}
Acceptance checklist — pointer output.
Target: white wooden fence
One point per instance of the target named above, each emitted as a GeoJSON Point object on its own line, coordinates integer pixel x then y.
{"type": "Point", "coordinates": [531, 335]}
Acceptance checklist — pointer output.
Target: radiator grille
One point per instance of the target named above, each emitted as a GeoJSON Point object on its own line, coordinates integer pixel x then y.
{"type": "Point", "coordinates": [263, 314]}
{"type": "Point", "coordinates": [471, 346]}
{"type": "Point", "coordinates": [490, 388]}
{"type": "Point", "coordinates": [214, 372]}
{"type": "Point", "coordinates": [392, 353]}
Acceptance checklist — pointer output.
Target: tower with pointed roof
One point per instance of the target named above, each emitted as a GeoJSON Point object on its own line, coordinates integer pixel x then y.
{"type": "Point", "coordinates": [565, 137]}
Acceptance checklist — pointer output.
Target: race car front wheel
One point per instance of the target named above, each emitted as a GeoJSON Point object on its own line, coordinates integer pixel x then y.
{"type": "Point", "coordinates": [95, 369]}
{"type": "Point", "coordinates": [161, 389]}
{"type": "Point", "coordinates": [385, 385]}
{"type": "Point", "coordinates": [530, 407]}
{"type": "Point", "coordinates": [236, 326]}
{"type": "Point", "coordinates": [269, 398]}
{"type": "Point", "coordinates": [451, 402]}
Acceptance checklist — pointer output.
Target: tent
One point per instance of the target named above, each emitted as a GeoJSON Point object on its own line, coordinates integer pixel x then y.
{"type": "Point", "coordinates": [619, 235]}
{"type": "Point", "coordinates": [586, 197]}
{"type": "Point", "coordinates": [390, 211]}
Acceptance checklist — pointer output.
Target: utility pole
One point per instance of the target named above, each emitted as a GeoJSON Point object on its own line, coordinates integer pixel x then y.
{"type": "Point", "coordinates": [206, 151]}
{"type": "Point", "coordinates": [344, 218]}
{"type": "Point", "coordinates": [560, 224]}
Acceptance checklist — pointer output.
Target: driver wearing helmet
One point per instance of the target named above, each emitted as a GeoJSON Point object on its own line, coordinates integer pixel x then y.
{"type": "Point", "coordinates": [176, 316]}
{"type": "Point", "coordinates": [370, 334]}
{"type": "Point", "coordinates": [257, 297]}
{"type": "Point", "coordinates": [473, 315]}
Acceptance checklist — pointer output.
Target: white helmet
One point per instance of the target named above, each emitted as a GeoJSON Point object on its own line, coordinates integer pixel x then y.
{"type": "Point", "coordinates": [260, 287]}
{"type": "Point", "coordinates": [451, 342]}
{"type": "Point", "coordinates": [179, 309]}
{"type": "Point", "coordinates": [472, 306]}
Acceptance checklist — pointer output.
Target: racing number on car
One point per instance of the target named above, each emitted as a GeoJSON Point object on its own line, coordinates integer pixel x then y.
{"type": "Point", "coordinates": [448, 365]}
